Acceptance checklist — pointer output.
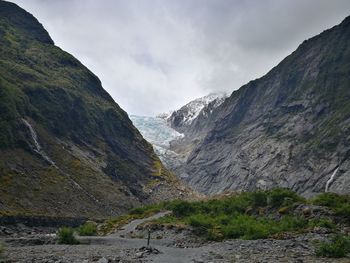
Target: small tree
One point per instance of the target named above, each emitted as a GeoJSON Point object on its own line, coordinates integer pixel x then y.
{"type": "Point", "coordinates": [66, 236]}
{"type": "Point", "coordinates": [88, 229]}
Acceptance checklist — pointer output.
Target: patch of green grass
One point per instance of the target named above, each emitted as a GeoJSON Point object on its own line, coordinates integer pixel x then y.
{"type": "Point", "coordinates": [88, 229]}
{"type": "Point", "coordinates": [337, 247]}
{"type": "Point", "coordinates": [66, 236]}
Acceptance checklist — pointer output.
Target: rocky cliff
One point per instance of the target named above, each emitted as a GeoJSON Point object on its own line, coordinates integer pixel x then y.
{"type": "Point", "coordinates": [66, 148]}
{"type": "Point", "coordinates": [290, 128]}
{"type": "Point", "coordinates": [194, 120]}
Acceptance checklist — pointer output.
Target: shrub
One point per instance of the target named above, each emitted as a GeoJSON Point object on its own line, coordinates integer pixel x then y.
{"type": "Point", "coordinates": [147, 210]}
{"type": "Point", "coordinates": [340, 204]}
{"type": "Point", "coordinates": [259, 199]}
{"type": "Point", "coordinates": [331, 200]}
{"type": "Point", "coordinates": [282, 196]}
{"type": "Point", "coordinates": [66, 236]}
{"type": "Point", "coordinates": [246, 227]}
{"type": "Point", "coordinates": [182, 208]}
{"type": "Point", "coordinates": [291, 223]}
{"type": "Point", "coordinates": [88, 229]}
{"type": "Point", "coordinates": [326, 223]}
{"type": "Point", "coordinates": [200, 222]}
{"type": "Point", "coordinates": [343, 210]}
{"type": "Point", "coordinates": [236, 204]}
{"type": "Point", "coordinates": [338, 247]}
{"type": "Point", "coordinates": [215, 234]}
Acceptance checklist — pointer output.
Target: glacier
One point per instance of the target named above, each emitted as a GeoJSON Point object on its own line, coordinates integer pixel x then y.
{"type": "Point", "coordinates": [156, 131]}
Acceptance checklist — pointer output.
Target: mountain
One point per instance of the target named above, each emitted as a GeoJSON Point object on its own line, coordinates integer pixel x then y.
{"type": "Point", "coordinates": [290, 128]}
{"type": "Point", "coordinates": [164, 131]}
{"type": "Point", "coordinates": [194, 120]}
{"type": "Point", "coordinates": [66, 148]}
{"type": "Point", "coordinates": [184, 118]}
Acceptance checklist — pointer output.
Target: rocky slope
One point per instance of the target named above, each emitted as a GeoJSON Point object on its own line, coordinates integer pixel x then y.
{"type": "Point", "coordinates": [290, 128]}
{"type": "Point", "coordinates": [194, 120]}
{"type": "Point", "coordinates": [184, 119]}
{"type": "Point", "coordinates": [67, 149]}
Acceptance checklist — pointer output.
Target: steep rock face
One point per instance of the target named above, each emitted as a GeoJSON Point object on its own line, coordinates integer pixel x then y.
{"type": "Point", "coordinates": [66, 148]}
{"type": "Point", "coordinates": [194, 120]}
{"type": "Point", "coordinates": [184, 120]}
{"type": "Point", "coordinates": [290, 128]}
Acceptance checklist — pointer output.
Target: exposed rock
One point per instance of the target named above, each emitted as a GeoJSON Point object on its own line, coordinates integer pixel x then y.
{"type": "Point", "coordinates": [102, 260]}
{"type": "Point", "coordinates": [289, 128]}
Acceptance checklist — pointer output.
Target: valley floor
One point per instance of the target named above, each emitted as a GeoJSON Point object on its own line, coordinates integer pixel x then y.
{"type": "Point", "coordinates": [169, 246]}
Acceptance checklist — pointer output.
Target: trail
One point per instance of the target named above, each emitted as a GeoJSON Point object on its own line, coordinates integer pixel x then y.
{"type": "Point", "coordinates": [169, 253]}
{"type": "Point", "coordinates": [131, 226]}
{"type": "Point", "coordinates": [114, 248]}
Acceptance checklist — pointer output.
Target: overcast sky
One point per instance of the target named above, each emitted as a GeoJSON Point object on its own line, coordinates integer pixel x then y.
{"type": "Point", "coordinates": [156, 55]}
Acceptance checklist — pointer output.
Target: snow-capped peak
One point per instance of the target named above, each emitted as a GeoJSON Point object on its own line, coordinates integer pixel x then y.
{"type": "Point", "coordinates": [191, 110]}
{"type": "Point", "coordinates": [165, 115]}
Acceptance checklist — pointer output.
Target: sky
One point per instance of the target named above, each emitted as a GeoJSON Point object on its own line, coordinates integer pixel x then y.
{"type": "Point", "coordinates": [154, 56]}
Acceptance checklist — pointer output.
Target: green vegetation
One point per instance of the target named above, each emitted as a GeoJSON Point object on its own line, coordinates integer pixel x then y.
{"type": "Point", "coordinates": [135, 213]}
{"type": "Point", "coordinates": [66, 236]}
{"type": "Point", "coordinates": [340, 204]}
{"type": "Point", "coordinates": [253, 215]}
{"type": "Point", "coordinates": [338, 247]}
{"type": "Point", "coordinates": [89, 228]}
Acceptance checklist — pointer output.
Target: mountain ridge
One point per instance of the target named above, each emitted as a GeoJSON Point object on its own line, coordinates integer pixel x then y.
{"type": "Point", "coordinates": [66, 147]}
{"type": "Point", "coordinates": [264, 130]}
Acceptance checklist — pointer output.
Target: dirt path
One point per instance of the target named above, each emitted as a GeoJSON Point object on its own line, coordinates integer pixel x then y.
{"type": "Point", "coordinates": [167, 254]}
{"type": "Point", "coordinates": [131, 227]}
{"type": "Point", "coordinates": [120, 247]}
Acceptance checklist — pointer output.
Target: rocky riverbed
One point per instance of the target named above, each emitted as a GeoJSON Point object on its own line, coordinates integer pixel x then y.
{"type": "Point", "coordinates": [39, 244]}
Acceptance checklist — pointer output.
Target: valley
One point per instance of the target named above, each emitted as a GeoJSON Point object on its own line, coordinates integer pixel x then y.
{"type": "Point", "coordinates": [259, 174]}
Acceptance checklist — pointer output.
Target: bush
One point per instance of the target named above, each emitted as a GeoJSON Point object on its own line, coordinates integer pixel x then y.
{"type": "Point", "coordinates": [147, 210]}
{"type": "Point", "coordinates": [326, 223]}
{"type": "Point", "coordinates": [259, 199]}
{"type": "Point", "coordinates": [88, 229]}
{"type": "Point", "coordinates": [66, 236]}
{"type": "Point", "coordinates": [291, 223]}
{"type": "Point", "coordinates": [331, 200]}
{"type": "Point", "coordinates": [201, 223]}
{"type": "Point", "coordinates": [282, 196]}
{"type": "Point", "coordinates": [343, 210]}
{"type": "Point", "coordinates": [182, 208]}
{"type": "Point", "coordinates": [338, 247]}
{"type": "Point", "coordinates": [340, 204]}
{"type": "Point", "coordinates": [246, 227]}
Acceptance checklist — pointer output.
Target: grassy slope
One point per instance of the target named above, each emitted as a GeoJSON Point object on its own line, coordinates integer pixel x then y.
{"type": "Point", "coordinates": [78, 124]}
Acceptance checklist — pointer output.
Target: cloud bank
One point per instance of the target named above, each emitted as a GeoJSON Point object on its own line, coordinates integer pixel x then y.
{"type": "Point", "coordinates": [156, 55]}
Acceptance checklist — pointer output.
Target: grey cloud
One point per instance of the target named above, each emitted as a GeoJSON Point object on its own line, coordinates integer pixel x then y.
{"type": "Point", "coordinates": [153, 56]}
